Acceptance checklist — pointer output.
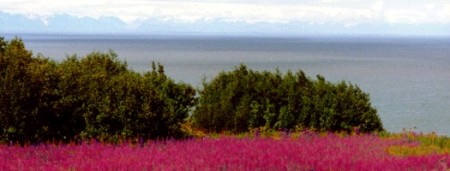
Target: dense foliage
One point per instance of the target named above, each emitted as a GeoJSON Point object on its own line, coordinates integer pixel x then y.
{"type": "Point", "coordinates": [243, 99]}
{"type": "Point", "coordinates": [97, 96]}
{"type": "Point", "coordinates": [92, 97]}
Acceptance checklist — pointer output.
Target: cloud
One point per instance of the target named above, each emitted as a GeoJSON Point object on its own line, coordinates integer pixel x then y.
{"type": "Point", "coordinates": [347, 12]}
{"type": "Point", "coordinates": [404, 16]}
{"type": "Point", "coordinates": [446, 14]}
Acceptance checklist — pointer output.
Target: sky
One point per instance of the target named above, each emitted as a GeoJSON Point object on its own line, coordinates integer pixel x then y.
{"type": "Point", "coordinates": [345, 12]}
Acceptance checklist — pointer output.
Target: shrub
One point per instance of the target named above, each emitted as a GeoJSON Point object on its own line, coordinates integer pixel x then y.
{"type": "Point", "coordinates": [97, 96]}
{"type": "Point", "coordinates": [92, 97]}
{"type": "Point", "coordinates": [243, 99]}
{"type": "Point", "coordinates": [27, 92]}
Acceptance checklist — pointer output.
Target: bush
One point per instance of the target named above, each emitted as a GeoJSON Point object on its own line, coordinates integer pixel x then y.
{"type": "Point", "coordinates": [92, 97]}
{"type": "Point", "coordinates": [27, 92]}
{"type": "Point", "coordinates": [243, 99]}
{"type": "Point", "coordinates": [97, 96]}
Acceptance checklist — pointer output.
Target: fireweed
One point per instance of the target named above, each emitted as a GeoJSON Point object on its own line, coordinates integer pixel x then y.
{"type": "Point", "coordinates": [307, 151]}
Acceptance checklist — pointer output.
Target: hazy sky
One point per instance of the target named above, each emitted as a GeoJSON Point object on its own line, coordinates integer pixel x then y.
{"type": "Point", "coordinates": [347, 12]}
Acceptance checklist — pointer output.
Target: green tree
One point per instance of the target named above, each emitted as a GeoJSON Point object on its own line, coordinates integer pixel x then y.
{"type": "Point", "coordinates": [26, 92]}
{"type": "Point", "coordinates": [243, 99]}
{"type": "Point", "coordinates": [96, 96]}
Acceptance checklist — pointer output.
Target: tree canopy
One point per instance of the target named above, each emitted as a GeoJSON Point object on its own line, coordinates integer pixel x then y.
{"type": "Point", "coordinates": [243, 99]}
{"type": "Point", "coordinates": [97, 96]}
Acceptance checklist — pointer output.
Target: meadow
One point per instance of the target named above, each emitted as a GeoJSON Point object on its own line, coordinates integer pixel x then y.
{"type": "Point", "coordinates": [258, 151]}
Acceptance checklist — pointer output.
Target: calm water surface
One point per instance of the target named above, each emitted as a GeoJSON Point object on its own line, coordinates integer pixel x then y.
{"type": "Point", "coordinates": [408, 79]}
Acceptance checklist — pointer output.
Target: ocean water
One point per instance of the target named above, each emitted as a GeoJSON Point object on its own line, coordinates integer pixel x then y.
{"type": "Point", "coordinates": [408, 79]}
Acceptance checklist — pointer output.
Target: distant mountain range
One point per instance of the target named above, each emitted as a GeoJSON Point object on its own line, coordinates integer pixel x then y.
{"type": "Point", "coordinates": [63, 23]}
